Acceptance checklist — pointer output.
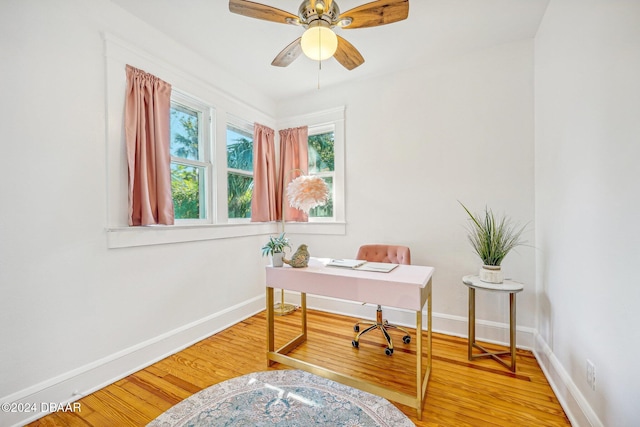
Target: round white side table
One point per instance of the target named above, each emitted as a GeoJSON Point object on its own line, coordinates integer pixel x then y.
{"type": "Point", "coordinates": [508, 286]}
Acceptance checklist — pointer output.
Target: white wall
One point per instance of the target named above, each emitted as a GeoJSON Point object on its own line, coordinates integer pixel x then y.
{"type": "Point", "coordinates": [420, 140]}
{"type": "Point", "coordinates": [81, 314]}
{"type": "Point", "coordinates": [74, 315]}
{"type": "Point", "coordinates": [587, 57]}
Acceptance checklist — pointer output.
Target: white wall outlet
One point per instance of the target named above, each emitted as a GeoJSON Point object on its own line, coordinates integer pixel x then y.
{"type": "Point", "coordinates": [591, 375]}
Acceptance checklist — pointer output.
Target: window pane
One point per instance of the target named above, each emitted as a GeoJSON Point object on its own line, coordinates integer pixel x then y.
{"type": "Point", "coordinates": [325, 211]}
{"type": "Point", "coordinates": [239, 149]}
{"type": "Point", "coordinates": [321, 153]}
{"type": "Point", "coordinates": [185, 132]}
{"type": "Point", "coordinates": [239, 191]}
{"type": "Point", "coordinates": [186, 191]}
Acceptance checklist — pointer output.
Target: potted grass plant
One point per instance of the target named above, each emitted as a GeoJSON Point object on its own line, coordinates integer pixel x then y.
{"type": "Point", "coordinates": [492, 238]}
{"type": "Point", "coordinates": [275, 249]}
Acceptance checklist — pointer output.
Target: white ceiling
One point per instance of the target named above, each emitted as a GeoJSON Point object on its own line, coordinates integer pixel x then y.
{"type": "Point", "coordinates": [245, 46]}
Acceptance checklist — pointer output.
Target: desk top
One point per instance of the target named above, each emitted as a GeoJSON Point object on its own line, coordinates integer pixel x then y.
{"type": "Point", "coordinates": [506, 286]}
{"type": "Point", "coordinates": [406, 286]}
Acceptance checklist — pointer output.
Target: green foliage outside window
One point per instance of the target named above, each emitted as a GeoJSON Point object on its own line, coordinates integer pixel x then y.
{"type": "Point", "coordinates": [321, 159]}
{"type": "Point", "coordinates": [239, 187]}
{"type": "Point", "coordinates": [185, 184]}
{"type": "Point", "coordinates": [184, 179]}
{"type": "Point", "coordinates": [321, 152]}
{"type": "Point", "coordinates": [185, 191]}
{"type": "Point", "coordinates": [186, 142]}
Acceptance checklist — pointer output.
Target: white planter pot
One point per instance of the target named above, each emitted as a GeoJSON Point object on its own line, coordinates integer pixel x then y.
{"type": "Point", "coordinates": [276, 259]}
{"type": "Point", "coordinates": [491, 274]}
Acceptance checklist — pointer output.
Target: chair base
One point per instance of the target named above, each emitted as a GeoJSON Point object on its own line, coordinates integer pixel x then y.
{"type": "Point", "coordinates": [383, 326]}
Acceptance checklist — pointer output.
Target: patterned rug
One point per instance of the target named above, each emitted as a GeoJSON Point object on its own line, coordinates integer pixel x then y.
{"type": "Point", "coordinates": [282, 398]}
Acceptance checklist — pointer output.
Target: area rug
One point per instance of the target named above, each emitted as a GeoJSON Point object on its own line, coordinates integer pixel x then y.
{"type": "Point", "coordinates": [282, 398]}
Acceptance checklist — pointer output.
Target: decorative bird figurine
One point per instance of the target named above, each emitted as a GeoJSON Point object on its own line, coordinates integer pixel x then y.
{"type": "Point", "coordinates": [299, 259]}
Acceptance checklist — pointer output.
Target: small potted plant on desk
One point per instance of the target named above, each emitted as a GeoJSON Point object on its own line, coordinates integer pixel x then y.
{"type": "Point", "coordinates": [275, 248]}
{"type": "Point", "coordinates": [492, 238]}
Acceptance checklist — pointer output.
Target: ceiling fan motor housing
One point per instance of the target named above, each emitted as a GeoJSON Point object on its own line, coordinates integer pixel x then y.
{"type": "Point", "coordinates": [310, 16]}
{"type": "Point", "coordinates": [319, 17]}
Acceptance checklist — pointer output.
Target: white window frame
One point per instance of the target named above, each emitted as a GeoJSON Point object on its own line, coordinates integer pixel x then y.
{"type": "Point", "coordinates": [247, 127]}
{"type": "Point", "coordinates": [119, 53]}
{"type": "Point", "coordinates": [206, 143]}
{"type": "Point", "coordinates": [319, 130]}
{"type": "Point", "coordinates": [317, 122]}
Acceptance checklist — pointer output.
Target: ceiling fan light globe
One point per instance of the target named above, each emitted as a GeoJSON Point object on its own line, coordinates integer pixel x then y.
{"type": "Point", "coordinates": [319, 43]}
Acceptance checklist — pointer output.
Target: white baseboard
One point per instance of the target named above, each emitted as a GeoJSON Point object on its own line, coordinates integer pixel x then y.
{"type": "Point", "coordinates": [578, 410]}
{"type": "Point", "coordinates": [575, 405]}
{"type": "Point", "coordinates": [493, 332]}
{"type": "Point", "coordinates": [73, 385]}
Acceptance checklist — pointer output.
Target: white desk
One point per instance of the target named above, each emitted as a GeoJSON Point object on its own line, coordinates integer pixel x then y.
{"type": "Point", "coordinates": [406, 287]}
{"type": "Point", "coordinates": [508, 286]}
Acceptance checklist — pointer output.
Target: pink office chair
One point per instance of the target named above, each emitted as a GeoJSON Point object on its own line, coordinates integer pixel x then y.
{"type": "Point", "coordinates": [382, 253]}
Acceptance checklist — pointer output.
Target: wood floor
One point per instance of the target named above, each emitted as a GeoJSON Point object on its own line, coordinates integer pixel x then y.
{"type": "Point", "coordinates": [460, 393]}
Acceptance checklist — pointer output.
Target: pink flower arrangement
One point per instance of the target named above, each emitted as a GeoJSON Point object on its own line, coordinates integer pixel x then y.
{"type": "Point", "coordinates": [306, 192]}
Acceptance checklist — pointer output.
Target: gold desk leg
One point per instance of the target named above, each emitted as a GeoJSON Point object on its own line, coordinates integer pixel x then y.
{"type": "Point", "coordinates": [419, 396]}
{"type": "Point", "coordinates": [303, 304]}
{"type": "Point", "coordinates": [270, 326]}
{"type": "Point", "coordinates": [429, 326]}
{"type": "Point", "coordinates": [280, 356]}
{"type": "Point", "coordinates": [423, 381]}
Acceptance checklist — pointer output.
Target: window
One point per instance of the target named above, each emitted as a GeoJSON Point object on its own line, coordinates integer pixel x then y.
{"type": "Point", "coordinates": [198, 120]}
{"type": "Point", "coordinates": [322, 164]}
{"type": "Point", "coordinates": [326, 143]}
{"type": "Point", "coordinates": [190, 129]}
{"type": "Point", "coordinates": [239, 170]}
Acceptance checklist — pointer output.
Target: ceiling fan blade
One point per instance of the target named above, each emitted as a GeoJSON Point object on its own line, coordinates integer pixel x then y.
{"type": "Point", "coordinates": [347, 55]}
{"type": "Point", "coordinates": [261, 11]}
{"type": "Point", "coordinates": [376, 13]}
{"type": "Point", "coordinates": [288, 54]}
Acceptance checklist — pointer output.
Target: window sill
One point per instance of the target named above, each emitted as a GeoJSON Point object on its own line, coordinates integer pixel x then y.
{"type": "Point", "coordinates": [326, 228]}
{"type": "Point", "coordinates": [127, 237]}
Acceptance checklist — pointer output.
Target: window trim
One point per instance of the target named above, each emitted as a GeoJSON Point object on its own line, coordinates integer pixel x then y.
{"type": "Point", "coordinates": [319, 130]}
{"type": "Point", "coordinates": [317, 123]}
{"type": "Point", "coordinates": [206, 148]}
{"type": "Point", "coordinates": [118, 234]}
{"type": "Point", "coordinates": [242, 125]}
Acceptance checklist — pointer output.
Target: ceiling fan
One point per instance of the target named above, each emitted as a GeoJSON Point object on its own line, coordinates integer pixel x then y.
{"type": "Point", "coordinates": [318, 17]}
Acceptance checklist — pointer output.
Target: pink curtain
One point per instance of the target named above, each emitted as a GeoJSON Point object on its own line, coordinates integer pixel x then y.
{"type": "Point", "coordinates": [293, 155]}
{"type": "Point", "coordinates": [147, 106]}
{"type": "Point", "coordinates": [263, 201]}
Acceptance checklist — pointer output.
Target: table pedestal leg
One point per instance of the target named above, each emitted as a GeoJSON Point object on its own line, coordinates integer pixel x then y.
{"type": "Point", "coordinates": [512, 333]}
{"type": "Point", "coordinates": [512, 329]}
{"type": "Point", "coordinates": [472, 321]}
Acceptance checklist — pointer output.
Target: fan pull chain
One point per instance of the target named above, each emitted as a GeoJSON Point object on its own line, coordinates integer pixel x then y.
{"type": "Point", "coordinates": [319, 60]}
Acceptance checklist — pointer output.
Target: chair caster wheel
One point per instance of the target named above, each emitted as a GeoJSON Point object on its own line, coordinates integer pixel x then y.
{"type": "Point", "coordinates": [356, 328]}
{"type": "Point", "coordinates": [355, 344]}
{"type": "Point", "coordinates": [388, 351]}
{"type": "Point", "coordinates": [406, 339]}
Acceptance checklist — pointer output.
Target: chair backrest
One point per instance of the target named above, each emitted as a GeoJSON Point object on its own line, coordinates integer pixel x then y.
{"type": "Point", "coordinates": [385, 253]}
